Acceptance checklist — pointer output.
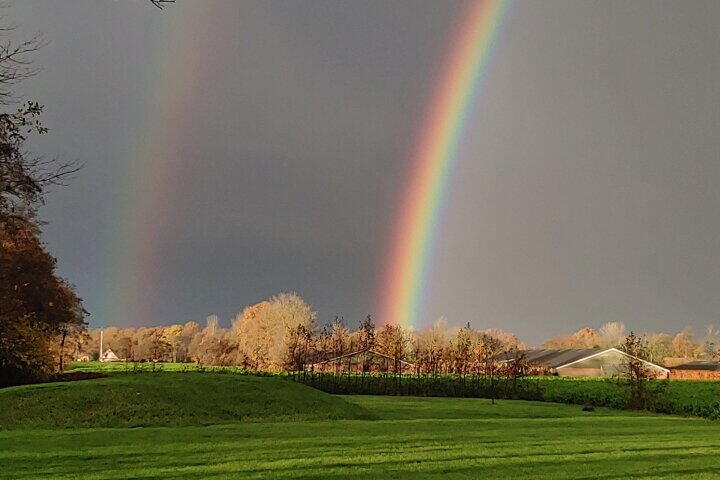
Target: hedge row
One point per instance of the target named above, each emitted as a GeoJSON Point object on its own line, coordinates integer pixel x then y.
{"type": "Point", "coordinates": [680, 397]}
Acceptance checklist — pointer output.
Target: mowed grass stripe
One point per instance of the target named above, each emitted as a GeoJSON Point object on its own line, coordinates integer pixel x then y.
{"type": "Point", "coordinates": [654, 447]}
{"type": "Point", "coordinates": [213, 459]}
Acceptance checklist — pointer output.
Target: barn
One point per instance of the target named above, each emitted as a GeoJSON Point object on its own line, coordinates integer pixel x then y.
{"type": "Point", "coordinates": [696, 370]}
{"type": "Point", "coordinates": [109, 356]}
{"type": "Point", "coordinates": [364, 361]}
{"type": "Point", "coordinates": [589, 362]}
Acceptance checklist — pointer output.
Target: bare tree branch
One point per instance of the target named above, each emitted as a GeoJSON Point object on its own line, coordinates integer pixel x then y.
{"type": "Point", "coordinates": [161, 3]}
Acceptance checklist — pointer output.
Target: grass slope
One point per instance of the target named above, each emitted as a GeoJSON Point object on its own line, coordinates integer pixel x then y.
{"type": "Point", "coordinates": [413, 438]}
{"type": "Point", "coordinates": [166, 399]}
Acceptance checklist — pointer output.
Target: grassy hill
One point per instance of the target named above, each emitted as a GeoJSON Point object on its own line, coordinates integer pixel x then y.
{"type": "Point", "coordinates": [413, 438]}
{"type": "Point", "coordinates": [167, 399]}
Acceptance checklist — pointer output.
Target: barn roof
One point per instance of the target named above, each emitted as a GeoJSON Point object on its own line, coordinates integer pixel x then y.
{"type": "Point", "coordinates": [565, 357]}
{"type": "Point", "coordinates": [699, 365]}
{"type": "Point", "coordinates": [556, 358]}
{"type": "Point", "coordinates": [365, 351]}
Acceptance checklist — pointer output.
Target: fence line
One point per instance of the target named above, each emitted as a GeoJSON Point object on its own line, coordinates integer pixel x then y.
{"type": "Point", "coordinates": [424, 385]}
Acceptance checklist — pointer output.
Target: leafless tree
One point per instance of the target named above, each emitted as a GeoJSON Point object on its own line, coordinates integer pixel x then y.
{"type": "Point", "coordinates": [635, 375]}
{"type": "Point", "coordinates": [23, 178]}
{"type": "Point", "coordinates": [612, 334]}
{"type": "Point", "coordinates": [487, 351]}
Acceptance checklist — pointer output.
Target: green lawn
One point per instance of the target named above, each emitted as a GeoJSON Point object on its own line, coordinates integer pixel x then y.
{"type": "Point", "coordinates": [407, 438]}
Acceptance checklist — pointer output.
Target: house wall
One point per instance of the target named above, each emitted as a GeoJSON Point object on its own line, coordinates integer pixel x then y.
{"type": "Point", "coordinates": [608, 364]}
{"type": "Point", "coordinates": [579, 372]}
{"type": "Point", "coordinates": [694, 374]}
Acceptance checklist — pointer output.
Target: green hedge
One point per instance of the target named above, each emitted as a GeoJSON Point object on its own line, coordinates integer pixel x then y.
{"type": "Point", "coordinates": [680, 397]}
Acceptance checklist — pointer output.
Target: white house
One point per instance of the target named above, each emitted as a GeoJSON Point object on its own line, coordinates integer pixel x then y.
{"type": "Point", "coordinates": [109, 356]}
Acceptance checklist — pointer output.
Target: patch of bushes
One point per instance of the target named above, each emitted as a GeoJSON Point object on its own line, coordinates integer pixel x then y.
{"type": "Point", "coordinates": [678, 397]}
{"type": "Point", "coordinates": [422, 385]}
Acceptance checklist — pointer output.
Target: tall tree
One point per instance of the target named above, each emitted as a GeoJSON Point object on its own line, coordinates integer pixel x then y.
{"type": "Point", "coordinates": [635, 376]}
{"type": "Point", "coordinates": [392, 341]}
{"type": "Point", "coordinates": [36, 306]}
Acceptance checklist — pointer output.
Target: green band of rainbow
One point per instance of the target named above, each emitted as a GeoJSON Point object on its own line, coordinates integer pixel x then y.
{"type": "Point", "coordinates": [400, 298]}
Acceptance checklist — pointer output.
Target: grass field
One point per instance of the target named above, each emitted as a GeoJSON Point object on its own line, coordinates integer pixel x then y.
{"type": "Point", "coordinates": [407, 438]}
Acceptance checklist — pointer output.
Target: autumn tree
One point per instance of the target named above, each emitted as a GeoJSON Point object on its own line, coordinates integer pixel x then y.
{"type": "Point", "coordinates": [583, 338]}
{"type": "Point", "coordinates": [173, 337]}
{"type": "Point", "coordinates": [36, 306]}
{"type": "Point", "coordinates": [487, 349]}
{"type": "Point", "coordinates": [299, 345]}
{"type": "Point", "coordinates": [265, 335]}
{"type": "Point", "coordinates": [339, 337]}
{"type": "Point", "coordinates": [659, 346]}
{"type": "Point", "coordinates": [462, 350]}
{"type": "Point", "coordinates": [684, 344]}
{"type": "Point", "coordinates": [392, 341]}
{"type": "Point", "coordinates": [364, 339]}
{"type": "Point", "coordinates": [612, 334]}
{"type": "Point", "coordinates": [365, 334]}
{"type": "Point", "coordinates": [430, 345]}
{"type": "Point", "coordinates": [711, 343]}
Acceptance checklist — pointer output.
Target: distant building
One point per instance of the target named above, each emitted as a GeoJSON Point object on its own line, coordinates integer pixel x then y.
{"type": "Point", "coordinates": [364, 361]}
{"type": "Point", "coordinates": [696, 370]}
{"type": "Point", "coordinates": [590, 362]}
{"type": "Point", "coordinates": [109, 356]}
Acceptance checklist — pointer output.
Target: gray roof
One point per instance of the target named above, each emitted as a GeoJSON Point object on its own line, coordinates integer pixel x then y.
{"type": "Point", "coordinates": [556, 358]}
{"type": "Point", "coordinates": [699, 365]}
{"type": "Point", "coordinates": [359, 352]}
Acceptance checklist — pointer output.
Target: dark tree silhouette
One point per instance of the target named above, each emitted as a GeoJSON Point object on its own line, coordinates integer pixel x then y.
{"type": "Point", "coordinates": [635, 376]}
{"type": "Point", "coordinates": [36, 306]}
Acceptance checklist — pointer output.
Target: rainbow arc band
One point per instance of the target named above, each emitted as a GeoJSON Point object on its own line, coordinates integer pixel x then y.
{"type": "Point", "coordinates": [411, 246]}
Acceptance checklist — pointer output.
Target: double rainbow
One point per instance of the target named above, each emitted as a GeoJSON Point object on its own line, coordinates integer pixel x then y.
{"type": "Point", "coordinates": [402, 289]}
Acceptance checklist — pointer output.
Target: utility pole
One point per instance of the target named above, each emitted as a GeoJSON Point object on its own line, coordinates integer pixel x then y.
{"type": "Point", "coordinates": [101, 345]}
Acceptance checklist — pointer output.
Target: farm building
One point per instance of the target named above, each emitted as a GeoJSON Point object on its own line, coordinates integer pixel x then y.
{"type": "Point", "coordinates": [364, 361]}
{"type": "Point", "coordinates": [590, 362]}
{"type": "Point", "coordinates": [696, 370]}
{"type": "Point", "coordinates": [109, 356]}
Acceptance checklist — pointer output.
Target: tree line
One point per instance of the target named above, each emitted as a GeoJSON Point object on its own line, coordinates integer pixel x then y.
{"type": "Point", "coordinates": [283, 334]}
{"type": "Point", "coordinates": [659, 347]}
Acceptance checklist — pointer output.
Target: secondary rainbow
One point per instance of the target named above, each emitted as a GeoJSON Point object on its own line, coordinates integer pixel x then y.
{"type": "Point", "coordinates": [435, 153]}
{"type": "Point", "coordinates": [146, 215]}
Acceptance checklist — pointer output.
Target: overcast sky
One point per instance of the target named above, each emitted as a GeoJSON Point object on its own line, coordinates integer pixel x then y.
{"type": "Point", "coordinates": [587, 190]}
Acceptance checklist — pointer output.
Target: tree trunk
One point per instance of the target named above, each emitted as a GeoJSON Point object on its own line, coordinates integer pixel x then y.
{"type": "Point", "coordinates": [62, 349]}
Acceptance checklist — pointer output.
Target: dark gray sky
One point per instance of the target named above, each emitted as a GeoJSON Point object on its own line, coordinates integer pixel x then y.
{"type": "Point", "coordinates": [272, 138]}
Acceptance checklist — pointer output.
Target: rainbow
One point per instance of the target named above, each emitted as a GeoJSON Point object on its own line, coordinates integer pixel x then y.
{"type": "Point", "coordinates": [411, 245]}
{"type": "Point", "coordinates": [151, 179]}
